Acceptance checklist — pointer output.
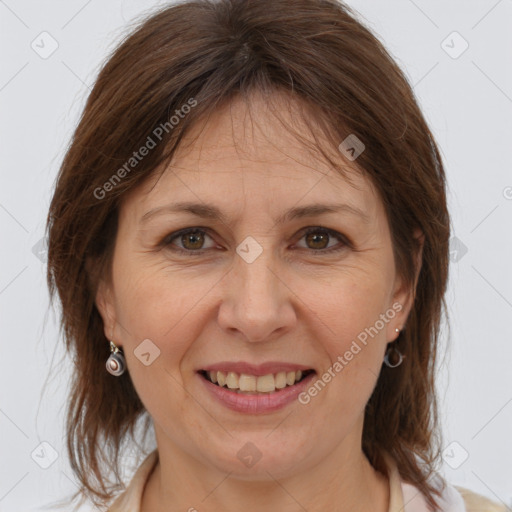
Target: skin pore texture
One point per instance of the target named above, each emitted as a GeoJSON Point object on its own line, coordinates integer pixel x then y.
{"type": "Point", "coordinates": [294, 303]}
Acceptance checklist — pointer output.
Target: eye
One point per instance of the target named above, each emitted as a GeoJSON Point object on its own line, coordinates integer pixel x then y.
{"type": "Point", "coordinates": [192, 240]}
{"type": "Point", "coordinates": [318, 238]}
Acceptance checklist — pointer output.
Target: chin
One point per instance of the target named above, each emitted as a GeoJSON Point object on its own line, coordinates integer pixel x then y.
{"type": "Point", "coordinates": [257, 458]}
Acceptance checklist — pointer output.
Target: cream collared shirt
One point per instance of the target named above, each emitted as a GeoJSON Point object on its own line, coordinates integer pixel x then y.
{"type": "Point", "coordinates": [404, 497]}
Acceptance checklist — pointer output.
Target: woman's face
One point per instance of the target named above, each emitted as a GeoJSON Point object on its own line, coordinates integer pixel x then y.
{"type": "Point", "coordinates": [255, 289]}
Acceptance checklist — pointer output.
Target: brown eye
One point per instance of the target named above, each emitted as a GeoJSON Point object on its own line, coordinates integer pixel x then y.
{"type": "Point", "coordinates": [193, 240]}
{"type": "Point", "coordinates": [317, 240]}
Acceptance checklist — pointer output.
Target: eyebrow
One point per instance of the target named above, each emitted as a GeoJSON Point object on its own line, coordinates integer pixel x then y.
{"type": "Point", "coordinates": [209, 211]}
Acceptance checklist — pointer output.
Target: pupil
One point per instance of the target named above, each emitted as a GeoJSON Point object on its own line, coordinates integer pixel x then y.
{"type": "Point", "coordinates": [195, 238]}
{"type": "Point", "coordinates": [315, 238]}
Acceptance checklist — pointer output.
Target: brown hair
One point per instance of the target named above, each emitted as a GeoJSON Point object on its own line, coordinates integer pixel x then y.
{"type": "Point", "coordinates": [202, 53]}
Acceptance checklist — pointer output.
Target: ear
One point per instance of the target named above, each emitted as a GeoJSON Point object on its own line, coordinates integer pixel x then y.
{"type": "Point", "coordinates": [405, 295]}
{"type": "Point", "coordinates": [105, 304]}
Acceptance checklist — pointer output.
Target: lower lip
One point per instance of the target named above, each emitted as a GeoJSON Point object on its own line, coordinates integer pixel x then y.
{"type": "Point", "coordinates": [257, 404]}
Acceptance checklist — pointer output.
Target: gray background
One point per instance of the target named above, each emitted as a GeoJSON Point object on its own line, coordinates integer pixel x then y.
{"type": "Point", "coordinates": [467, 99]}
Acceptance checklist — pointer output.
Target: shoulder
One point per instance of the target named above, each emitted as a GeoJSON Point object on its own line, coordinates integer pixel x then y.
{"type": "Point", "coordinates": [406, 497]}
{"type": "Point", "coordinates": [477, 503]}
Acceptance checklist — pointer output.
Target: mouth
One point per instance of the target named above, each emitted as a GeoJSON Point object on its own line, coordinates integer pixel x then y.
{"type": "Point", "coordinates": [247, 384]}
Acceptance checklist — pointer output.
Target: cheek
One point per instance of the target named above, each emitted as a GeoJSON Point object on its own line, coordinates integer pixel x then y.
{"type": "Point", "coordinates": [163, 305]}
{"type": "Point", "coordinates": [350, 307]}
{"type": "Point", "coordinates": [170, 306]}
{"type": "Point", "coordinates": [352, 315]}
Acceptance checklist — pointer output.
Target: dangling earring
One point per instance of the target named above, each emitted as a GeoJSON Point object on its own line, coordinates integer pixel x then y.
{"type": "Point", "coordinates": [393, 354]}
{"type": "Point", "coordinates": [116, 364]}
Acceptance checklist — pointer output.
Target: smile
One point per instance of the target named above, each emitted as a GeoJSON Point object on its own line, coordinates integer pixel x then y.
{"type": "Point", "coordinates": [255, 394]}
{"type": "Point", "coordinates": [253, 384]}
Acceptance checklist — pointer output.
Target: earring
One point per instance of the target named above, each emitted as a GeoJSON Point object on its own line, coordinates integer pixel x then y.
{"type": "Point", "coordinates": [393, 356]}
{"type": "Point", "coordinates": [116, 364]}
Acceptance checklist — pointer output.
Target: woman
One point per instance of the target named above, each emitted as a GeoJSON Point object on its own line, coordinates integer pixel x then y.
{"type": "Point", "coordinates": [249, 239]}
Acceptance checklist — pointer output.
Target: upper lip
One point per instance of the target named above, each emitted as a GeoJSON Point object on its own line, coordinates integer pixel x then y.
{"type": "Point", "coordinates": [254, 369]}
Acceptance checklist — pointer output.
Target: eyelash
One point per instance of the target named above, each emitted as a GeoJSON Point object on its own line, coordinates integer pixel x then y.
{"type": "Point", "coordinates": [167, 241]}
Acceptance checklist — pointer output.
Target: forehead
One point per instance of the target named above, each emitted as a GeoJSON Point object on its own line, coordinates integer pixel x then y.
{"type": "Point", "coordinates": [250, 150]}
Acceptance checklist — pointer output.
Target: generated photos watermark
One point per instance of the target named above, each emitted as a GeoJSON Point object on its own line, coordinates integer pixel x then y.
{"type": "Point", "coordinates": [343, 360]}
{"type": "Point", "coordinates": [152, 140]}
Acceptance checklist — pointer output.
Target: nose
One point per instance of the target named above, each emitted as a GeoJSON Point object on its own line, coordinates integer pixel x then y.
{"type": "Point", "coordinates": [257, 302]}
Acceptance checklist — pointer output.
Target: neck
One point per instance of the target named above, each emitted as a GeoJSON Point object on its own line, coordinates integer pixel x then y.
{"type": "Point", "coordinates": [344, 481]}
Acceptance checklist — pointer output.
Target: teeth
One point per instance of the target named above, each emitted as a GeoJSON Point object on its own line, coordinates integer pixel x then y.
{"type": "Point", "coordinates": [280, 380]}
{"type": "Point", "coordinates": [265, 383]}
{"type": "Point", "coordinates": [247, 382]}
{"type": "Point", "coordinates": [251, 383]}
{"type": "Point", "coordinates": [232, 380]}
